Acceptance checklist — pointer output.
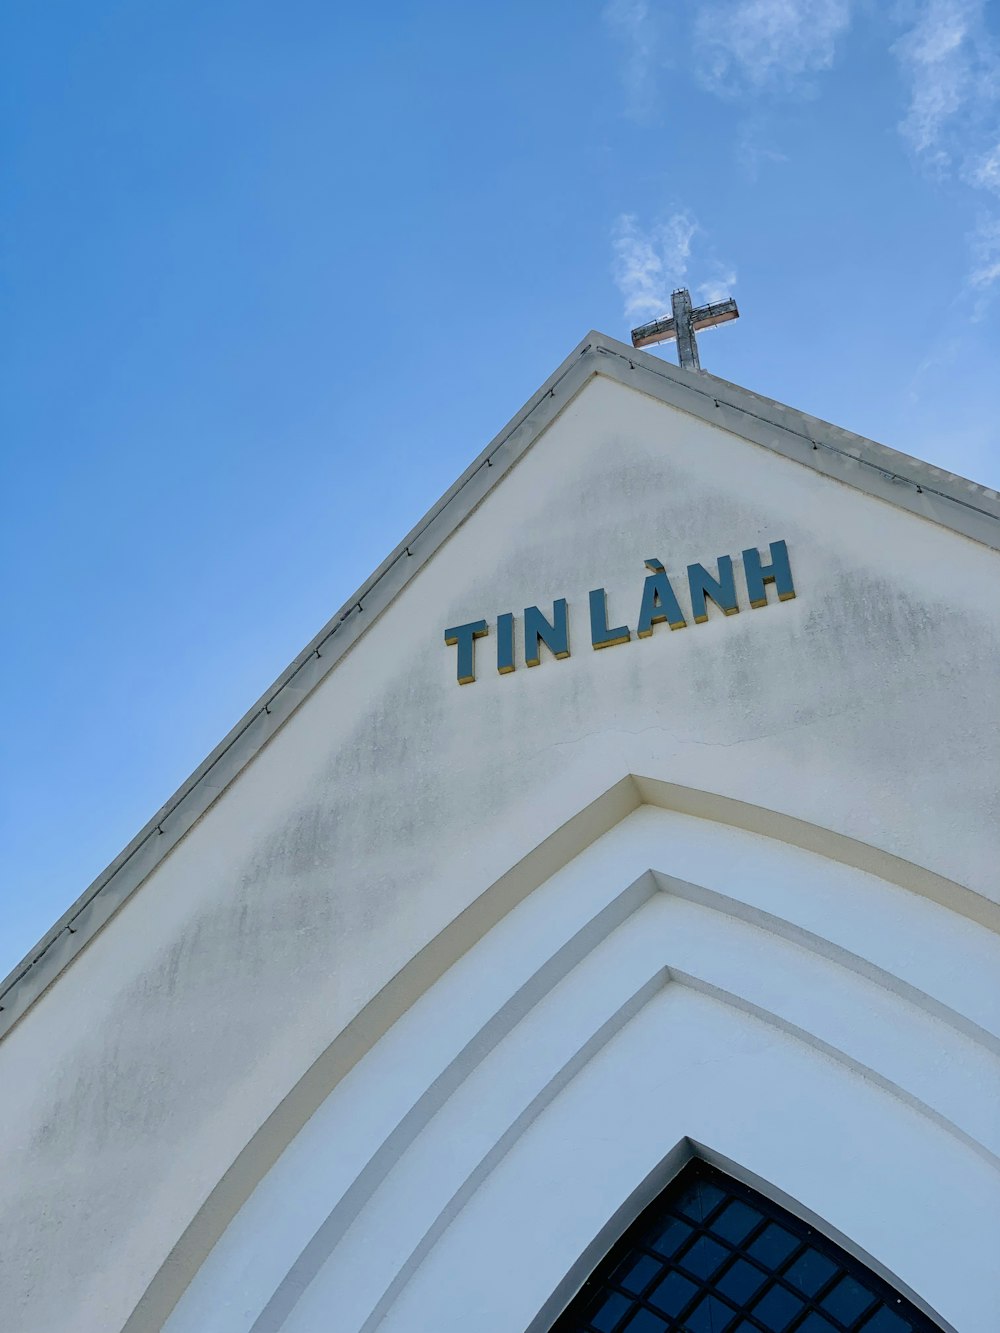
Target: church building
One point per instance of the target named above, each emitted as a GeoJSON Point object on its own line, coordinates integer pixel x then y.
{"type": "Point", "coordinates": [593, 930]}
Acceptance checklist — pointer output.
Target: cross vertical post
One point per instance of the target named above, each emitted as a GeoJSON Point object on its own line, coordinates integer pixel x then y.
{"type": "Point", "coordinates": [687, 345]}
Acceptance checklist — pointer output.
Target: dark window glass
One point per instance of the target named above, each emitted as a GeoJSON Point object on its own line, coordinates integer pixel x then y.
{"type": "Point", "coordinates": [609, 1312]}
{"type": "Point", "coordinates": [710, 1255]}
{"type": "Point", "coordinates": [704, 1257]}
{"type": "Point", "coordinates": [887, 1321]}
{"type": "Point", "coordinates": [736, 1222]}
{"type": "Point", "coordinates": [773, 1246]}
{"type": "Point", "coordinates": [644, 1321]}
{"type": "Point", "coordinates": [810, 1271]}
{"type": "Point", "coordinates": [710, 1315]}
{"type": "Point", "coordinates": [777, 1308]}
{"type": "Point", "coordinates": [673, 1293]}
{"type": "Point", "coordinates": [816, 1323]}
{"type": "Point", "coordinates": [636, 1274]}
{"type": "Point", "coordinates": [741, 1281]}
{"type": "Point", "coordinates": [669, 1238]}
{"type": "Point", "coordinates": [847, 1301]}
{"type": "Point", "coordinates": [699, 1199]}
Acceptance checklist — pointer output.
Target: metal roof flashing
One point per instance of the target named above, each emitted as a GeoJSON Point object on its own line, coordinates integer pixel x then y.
{"type": "Point", "coordinates": [927, 491]}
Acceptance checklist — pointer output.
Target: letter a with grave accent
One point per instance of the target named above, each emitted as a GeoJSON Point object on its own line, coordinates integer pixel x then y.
{"type": "Point", "coordinates": [659, 602]}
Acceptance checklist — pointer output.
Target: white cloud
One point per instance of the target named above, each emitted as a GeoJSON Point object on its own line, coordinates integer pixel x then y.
{"type": "Point", "coordinates": [718, 286]}
{"type": "Point", "coordinates": [948, 60]}
{"type": "Point", "coordinates": [945, 73]}
{"type": "Point", "coordinates": [632, 24]}
{"type": "Point", "coordinates": [985, 245]}
{"type": "Point", "coordinates": [767, 43]}
{"type": "Point", "coordinates": [985, 170]}
{"type": "Point", "coordinates": [952, 124]}
{"type": "Point", "coordinates": [754, 149]}
{"type": "Point", "coordinates": [649, 264]}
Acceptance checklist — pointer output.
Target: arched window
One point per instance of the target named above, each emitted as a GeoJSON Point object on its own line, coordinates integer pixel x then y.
{"type": "Point", "coordinates": [711, 1255]}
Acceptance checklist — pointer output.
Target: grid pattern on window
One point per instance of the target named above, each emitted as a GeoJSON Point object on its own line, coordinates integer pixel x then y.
{"type": "Point", "coordinates": [711, 1255]}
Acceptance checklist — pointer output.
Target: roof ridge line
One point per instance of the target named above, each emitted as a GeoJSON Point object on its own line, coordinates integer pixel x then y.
{"type": "Point", "coordinates": [101, 899]}
{"type": "Point", "coordinates": [262, 708]}
{"type": "Point", "coordinates": [889, 474]}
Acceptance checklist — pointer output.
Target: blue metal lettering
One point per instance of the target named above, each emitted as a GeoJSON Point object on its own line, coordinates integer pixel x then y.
{"type": "Point", "coordinates": [722, 590]}
{"type": "Point", "coordinates": [601, 636]}
{"type": "Point", "coordinates": [465, 636]}
{"type": "Point", "coordinates": [537, 631]}
{"type": "Point", "coordinates": [658, 602]}
{"type": "Point", "coordinates": [505, 643]}
{"type": "Point", "coordinates": [758, 576]}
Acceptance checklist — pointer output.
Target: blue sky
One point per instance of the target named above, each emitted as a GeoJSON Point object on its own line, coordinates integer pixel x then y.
{"type": "Point", "coordinates": [273, 275]}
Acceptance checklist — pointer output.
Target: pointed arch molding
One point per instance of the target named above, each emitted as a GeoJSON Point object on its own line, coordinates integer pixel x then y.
{"type": "Point", "coordinates": [658, 967]}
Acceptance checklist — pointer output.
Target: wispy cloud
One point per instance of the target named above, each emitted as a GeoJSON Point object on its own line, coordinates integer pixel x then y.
{"type": "Point", "coordinates": [758, 44]}
{"type": "Point", "coordinates": [757, 49]}
{"type": "Point", "coordinates": [718, 285]}
{"type": "Point", "coordinates": [952, 122]}
{"type": "Point", "coordinates": [755, 149]}
{"type": "Point", "coordinates": [985, 274]}
{"type": "Point", "coordinates": [984, 170]}
{"type": "Point", "coordinates": [942, 58]}
{"type": "Point", "coordinates": [649, 263]}
{"type": "Point", "coordinates": [633, 26]}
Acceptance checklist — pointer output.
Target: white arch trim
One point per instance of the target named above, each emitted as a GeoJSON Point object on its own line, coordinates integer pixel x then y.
{"type": "Point", "coordinates": [858, 964]}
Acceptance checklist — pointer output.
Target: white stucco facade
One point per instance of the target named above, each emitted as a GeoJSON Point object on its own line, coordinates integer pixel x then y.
{"type": "Point", "coordinates": [404, 1023]}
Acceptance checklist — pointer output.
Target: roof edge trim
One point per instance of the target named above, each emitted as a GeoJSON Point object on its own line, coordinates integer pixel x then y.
{"type": "Point", "coordinates": [931, 493]}
{"type": "Point", "coordinates": [181, 811]}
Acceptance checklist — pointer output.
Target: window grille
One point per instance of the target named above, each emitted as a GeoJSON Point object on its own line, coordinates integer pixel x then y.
{"type": "Point", "coordinates": [711, 1255]}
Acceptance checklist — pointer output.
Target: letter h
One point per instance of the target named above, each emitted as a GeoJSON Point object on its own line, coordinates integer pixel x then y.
{"type": "Point", "coordinates": [758, 576]}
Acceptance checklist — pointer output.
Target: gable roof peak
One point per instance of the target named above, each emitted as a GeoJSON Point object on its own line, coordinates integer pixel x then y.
{"type": "Point", "coordinates": [929, 492]}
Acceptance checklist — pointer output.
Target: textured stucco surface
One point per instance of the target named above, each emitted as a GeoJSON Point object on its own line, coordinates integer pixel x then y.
{"type": "Point", "coordinates": [869, 705]}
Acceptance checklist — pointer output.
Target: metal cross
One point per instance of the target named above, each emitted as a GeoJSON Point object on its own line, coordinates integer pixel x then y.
{"type": "Point", "coordinates": [682, 325]}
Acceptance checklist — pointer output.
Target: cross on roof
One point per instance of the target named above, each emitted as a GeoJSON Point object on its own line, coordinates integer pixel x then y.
{"type": "Point", "coordinates": [682, 325]}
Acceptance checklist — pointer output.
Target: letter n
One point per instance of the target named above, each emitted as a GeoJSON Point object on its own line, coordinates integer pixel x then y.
{"type": "Point", "coordinates": [722, 590]}
{"type": "Point", "coordinates": [537, 630]}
